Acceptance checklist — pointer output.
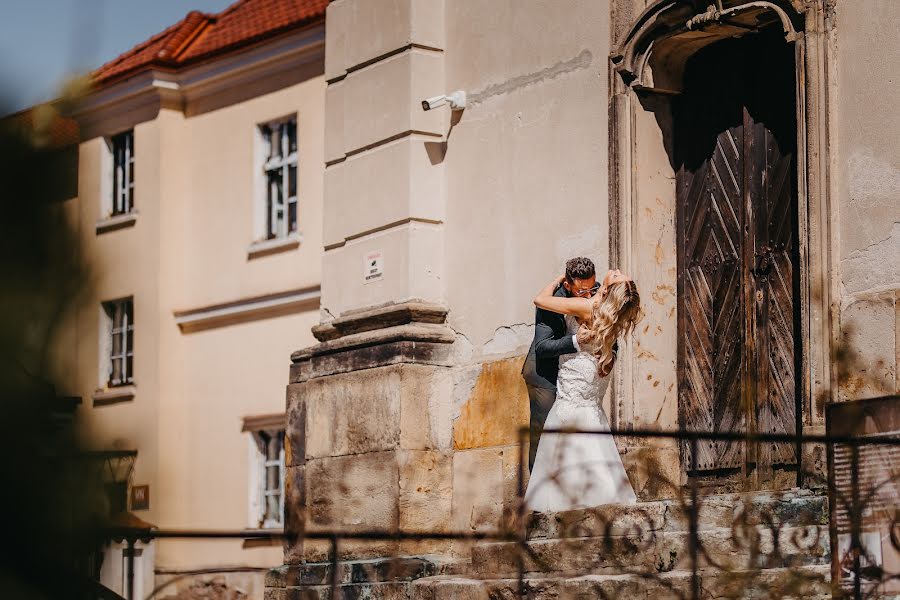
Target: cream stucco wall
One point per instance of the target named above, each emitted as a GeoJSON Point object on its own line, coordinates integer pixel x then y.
{"type": "Point", "coordinates": [866, 167]}
{"type": "Point", "coordinates": [188, 248]}
{"type": "Point", "coordinates": [526, 165]}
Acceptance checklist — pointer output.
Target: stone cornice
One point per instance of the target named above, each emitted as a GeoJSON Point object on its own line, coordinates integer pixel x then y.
{"type": "Point", "coordinates": [410, 332]}
{"type": "Point", "coordinates": [390, 315]}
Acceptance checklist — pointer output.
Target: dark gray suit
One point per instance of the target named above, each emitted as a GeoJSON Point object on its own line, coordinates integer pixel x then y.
{"type": "Point", "coordinates": [542, 367]}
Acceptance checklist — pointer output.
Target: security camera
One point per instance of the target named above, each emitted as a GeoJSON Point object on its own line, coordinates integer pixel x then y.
{"type": "Point", "coordinates": [457, 101]}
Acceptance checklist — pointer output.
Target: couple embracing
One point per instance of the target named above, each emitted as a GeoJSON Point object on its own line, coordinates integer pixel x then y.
{"type": "Point", "coordinates": [567, 372]}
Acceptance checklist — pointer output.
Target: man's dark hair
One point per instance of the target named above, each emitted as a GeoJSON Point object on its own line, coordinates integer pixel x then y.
{"type": "Point", "coordinates": [579, 268]}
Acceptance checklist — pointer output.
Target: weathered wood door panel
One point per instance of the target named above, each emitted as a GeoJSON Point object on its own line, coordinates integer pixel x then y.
{"type": "Point", "coordinates": [735, 143]}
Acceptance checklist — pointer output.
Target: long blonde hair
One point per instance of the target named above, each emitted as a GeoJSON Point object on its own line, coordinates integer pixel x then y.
{"type": "Point", "coordinates": [613, 317]}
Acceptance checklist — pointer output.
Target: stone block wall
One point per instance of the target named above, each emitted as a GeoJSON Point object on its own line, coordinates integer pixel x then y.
{"type": "Point", "coordinates": [386, 434]}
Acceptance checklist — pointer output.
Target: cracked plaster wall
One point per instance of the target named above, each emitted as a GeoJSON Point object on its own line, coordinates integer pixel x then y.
{"type": "Point", "coordinates": [526, 185]}
{"type": "Point", "coordinates": [526, 166]}
{"type": "Point", "coordinates": [868, 203]}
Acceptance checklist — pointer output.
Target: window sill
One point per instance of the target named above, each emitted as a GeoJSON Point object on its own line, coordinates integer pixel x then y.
{"type": "Point", "coordinates": [116, 222]}
{"type": "Point", "coordinates": [274, 246]}
{"type": "Point", "coordinates": [263, 541]}
{"type": "Point", "coordinates": [114, 395]}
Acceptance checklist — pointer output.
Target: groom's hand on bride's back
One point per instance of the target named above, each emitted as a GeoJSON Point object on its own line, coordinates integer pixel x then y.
{"type": "Point", "coordinates": [582, 335]}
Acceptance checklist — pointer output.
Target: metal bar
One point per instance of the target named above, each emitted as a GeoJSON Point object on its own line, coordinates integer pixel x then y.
{"type": "Point", "coordinates": [129, 590]}
{"type": "Point", "coordinates": [728, 436]}
{"type": "Point", "coordinates": [693, 525]}
{"type": "Point", "coordinates": [521, 525]}
{"type": "Point", "coordinates": [333, 577]}
{"type": "Point", "coordinates": [855, 518]}
{"type": "Point", "coordinates": [373, 534]}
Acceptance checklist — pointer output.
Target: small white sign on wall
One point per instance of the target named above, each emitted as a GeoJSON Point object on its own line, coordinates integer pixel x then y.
{"type": "Point", "coordinates": [373, 266]}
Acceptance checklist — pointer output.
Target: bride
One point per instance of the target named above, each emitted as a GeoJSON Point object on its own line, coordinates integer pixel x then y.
{"type": "Point", "coordinates": [584, 470]}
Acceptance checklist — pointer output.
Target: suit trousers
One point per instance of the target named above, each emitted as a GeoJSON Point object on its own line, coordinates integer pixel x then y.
{"type": "Point", "coordinates": [541, 400]}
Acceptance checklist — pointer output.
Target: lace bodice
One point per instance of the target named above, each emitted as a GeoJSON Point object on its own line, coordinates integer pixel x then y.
{"type": "Point", "coordinates": [579, 382]}
{"type": "Point", "coordinates": [572, 326]}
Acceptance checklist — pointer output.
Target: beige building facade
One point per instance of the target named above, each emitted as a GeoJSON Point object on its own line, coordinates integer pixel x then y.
{"type": "Point", "coordinates": [441, 225]}
{"type": "Point", "coordinates": [200, 214]}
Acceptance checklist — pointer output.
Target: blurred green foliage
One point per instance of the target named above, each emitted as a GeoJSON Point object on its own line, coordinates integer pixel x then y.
{"type": "Point", "coordinates": [52, 504]}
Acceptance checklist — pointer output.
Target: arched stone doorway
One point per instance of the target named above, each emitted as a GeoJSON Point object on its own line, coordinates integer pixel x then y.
{"type": "Point", "coordinates": [695, 85]}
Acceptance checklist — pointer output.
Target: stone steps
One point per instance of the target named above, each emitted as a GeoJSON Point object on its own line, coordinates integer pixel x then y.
{"type": "Point", "coordinates": [655, 552]}
{"type": "Point", "coordinates": [393, 572]}
{"type": "Point", "coordinates": [633, 552]}
{"type": "Point", "coordinates": [802, 582]}
{"type": "Point", "coordinates": [735, 531]}
{"type": "Point", "coordinates": [796, 507]}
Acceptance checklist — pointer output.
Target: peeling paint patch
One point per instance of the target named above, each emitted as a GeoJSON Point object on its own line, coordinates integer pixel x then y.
{"type": "Point", "coordinates": [663, 293]}
{"type": "Point", "coordinates": [646, 354]}
{"type": "Point", "coordinates": [463, 350]}
{"type": "Point", "coordinates": [660, 253]}
{"type": "Point", "coordinates": [464, 380]}
{"type": "Point", "coordinates": [509, 339]}
{"type": "Point", "coordinates": [495, 409]}
{"type": "Point", "coordinates": [582, 61]}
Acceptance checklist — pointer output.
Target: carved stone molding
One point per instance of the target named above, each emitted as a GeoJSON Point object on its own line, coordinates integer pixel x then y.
{"type": "Point", "coordinates": [646, 67]}
{"type": "Point", "coordinates": [409, 332]}
{"type": "Point", "coordinates": [653, 54]}
{"type": "Point", "coordinates": [390, 315]}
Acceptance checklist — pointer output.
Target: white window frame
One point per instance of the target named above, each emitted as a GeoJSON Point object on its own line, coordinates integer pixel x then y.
{"type": "Point", "coordinates": [259, 463]}
{"type": "Point", "coordinates": [121, 148]}
{"type": "Point", "coordinates": [272, 171]}
{"type": "Point", "coordinates": [108, 331]}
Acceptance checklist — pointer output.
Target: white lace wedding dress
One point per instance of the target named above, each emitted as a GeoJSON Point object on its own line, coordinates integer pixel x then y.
{"type": "Point", "coordinates": [577, 470]}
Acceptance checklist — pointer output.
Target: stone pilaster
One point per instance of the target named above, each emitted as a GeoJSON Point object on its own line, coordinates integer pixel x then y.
{"type": "Point", "coordinates": [370, 423]}
{"type": "Point", "coordinates": [384, 181]}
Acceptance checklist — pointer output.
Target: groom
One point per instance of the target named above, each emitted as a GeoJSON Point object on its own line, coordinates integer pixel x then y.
{"type": "Point", "coordinates": [550, 342]}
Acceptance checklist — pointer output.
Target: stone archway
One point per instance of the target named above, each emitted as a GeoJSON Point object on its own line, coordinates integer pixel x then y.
{"type": "Point", "coordinates": [649, 66]}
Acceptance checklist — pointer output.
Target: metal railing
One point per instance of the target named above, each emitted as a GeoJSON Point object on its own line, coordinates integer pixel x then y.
{"type": "Point", "coordinates": [838, 535]}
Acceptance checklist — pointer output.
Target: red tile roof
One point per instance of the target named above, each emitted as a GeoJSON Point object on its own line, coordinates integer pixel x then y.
{"type": "Point", "coordinates": [199, 35]}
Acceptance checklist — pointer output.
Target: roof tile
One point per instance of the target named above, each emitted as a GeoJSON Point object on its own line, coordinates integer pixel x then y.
{"type": "Point", "coordinates": [200, 35]}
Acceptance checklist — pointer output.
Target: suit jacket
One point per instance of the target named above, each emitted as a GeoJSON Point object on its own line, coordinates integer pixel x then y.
{"type": "Point", "coordinates": [550, 342]}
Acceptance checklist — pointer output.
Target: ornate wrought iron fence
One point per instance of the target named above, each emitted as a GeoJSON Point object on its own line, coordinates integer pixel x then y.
{"type": "Point", "coordinates": [833, 531]}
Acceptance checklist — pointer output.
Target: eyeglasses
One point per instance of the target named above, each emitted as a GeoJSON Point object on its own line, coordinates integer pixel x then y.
{"type": "Point", "coordinates": [588, 292]}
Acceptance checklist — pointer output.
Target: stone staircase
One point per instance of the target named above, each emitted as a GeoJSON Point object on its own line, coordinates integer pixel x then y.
{"type": "Point", "coordinates": [750, 546]}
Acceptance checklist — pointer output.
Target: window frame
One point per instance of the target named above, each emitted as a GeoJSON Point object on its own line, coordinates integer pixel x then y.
{"type": "Point", "coordinates": [119, 320]}
{"type": "Point", "coordinates": [263, 429]}
{"type": "Point", "coordinates": [121, 147]}
{"type": "Point", "coordinates": [275, 173]}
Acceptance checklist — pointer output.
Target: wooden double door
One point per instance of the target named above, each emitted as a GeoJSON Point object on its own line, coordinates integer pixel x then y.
{"type": "Point", "coordinates": [738, 277]}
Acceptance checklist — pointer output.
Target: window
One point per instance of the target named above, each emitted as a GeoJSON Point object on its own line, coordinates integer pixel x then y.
{"type": "Point", "coordinates": [279, 153]}
{"type": "Point", "coordinates": [266, 470]}
{"type": "Point", "coordinates": [119, 342]}
{"type": "Point", "coordinates": [123, 173]}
